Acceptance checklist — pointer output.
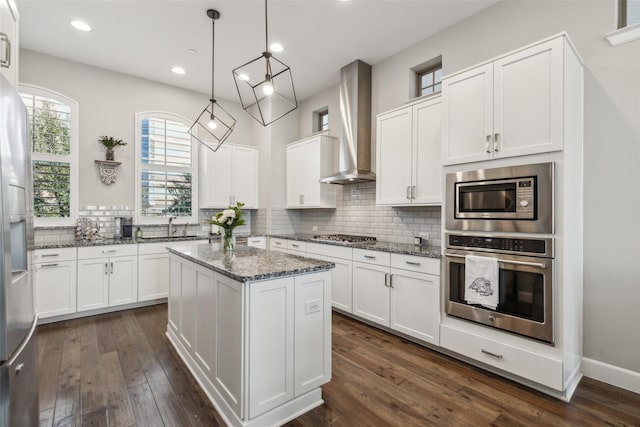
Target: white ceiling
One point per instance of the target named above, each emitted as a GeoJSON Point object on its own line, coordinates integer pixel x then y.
{"type": "Point", "coordinates": [147, 38]}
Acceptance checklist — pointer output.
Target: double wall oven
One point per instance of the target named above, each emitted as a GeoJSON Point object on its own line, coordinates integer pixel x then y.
{"type": "Point", "coordinates": [504, 214]}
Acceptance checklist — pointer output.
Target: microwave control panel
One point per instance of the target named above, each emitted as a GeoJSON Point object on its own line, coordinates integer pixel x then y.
{"type": "Point", "coordinates": [525, 188]}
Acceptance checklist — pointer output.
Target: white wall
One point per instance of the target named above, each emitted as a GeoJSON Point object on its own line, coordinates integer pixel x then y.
{"type": "Point", "coordinates": [612, 144]}
{"type": "Point", "coordinates": [108, 102]}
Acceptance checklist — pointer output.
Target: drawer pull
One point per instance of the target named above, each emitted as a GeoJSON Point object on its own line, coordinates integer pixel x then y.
{"type": "Point", "coordinates": [277, 243]}
{"type": "Point", "coordinates": [369, 257]}
{"type": "Point", "coordinates": [296, 246]}
{"type": "Point", "coordinates": [49, 255]}
{"type": "Point", "coordinates": [497, 356]}
{"type": "Point", "coordinates": [48, 265]}
{"type": "Point", "coordinates": [112, 251]}
{"type": "Point", "coordinates": [413, 263]}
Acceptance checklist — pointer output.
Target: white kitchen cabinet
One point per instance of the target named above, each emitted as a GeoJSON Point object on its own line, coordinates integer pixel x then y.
{"type": "Point", "coordinates": [107, 276]}
{"type": "Point", "coordinates": [409, 159]}
{"type": "Point", "coordinates": [279, 245]}
{"type": "Point", "coordinates": [55, 281]}
{"type": "Point", "coordinates": [398, 291]}
{"type": "Point", "coordinates": [307, 161]}
{"type": "Point", "coordinates": [9, 51]}
{"type": "Point", "coordinates": [227, 176]}
{"type": "Point", "coordinates": [511, 106]}
{"type": "Point", "coordinates": [257, 242]}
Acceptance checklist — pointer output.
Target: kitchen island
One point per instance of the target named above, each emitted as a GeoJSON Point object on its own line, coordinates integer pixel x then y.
{"type": "Point", "coordinates": [254, 329]}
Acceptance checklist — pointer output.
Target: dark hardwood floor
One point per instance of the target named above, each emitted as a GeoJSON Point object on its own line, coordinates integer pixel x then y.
{"type": "Point", "coordinates": [118, 369]}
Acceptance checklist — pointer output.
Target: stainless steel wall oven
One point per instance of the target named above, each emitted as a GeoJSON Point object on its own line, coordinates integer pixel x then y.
{"type": "Point", "coordinates": [525, 288]}
{"type": "Point", "coordinates": [508, 199]}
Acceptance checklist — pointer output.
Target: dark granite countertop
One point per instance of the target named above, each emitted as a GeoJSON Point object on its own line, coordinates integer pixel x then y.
{"type": "Point", "coordinates": [398, 248]}
{"type": "Point", "coordinates": [81, 243]}
{"type": "Point", "coordinates": [247, 264]}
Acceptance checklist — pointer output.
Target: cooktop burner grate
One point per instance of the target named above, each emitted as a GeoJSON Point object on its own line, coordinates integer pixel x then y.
{"type": "Point", "coordinates": [345, 238]}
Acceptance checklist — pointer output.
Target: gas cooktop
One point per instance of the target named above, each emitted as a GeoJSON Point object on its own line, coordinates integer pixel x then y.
{"type": "Point", "coordinates": [345, 238]}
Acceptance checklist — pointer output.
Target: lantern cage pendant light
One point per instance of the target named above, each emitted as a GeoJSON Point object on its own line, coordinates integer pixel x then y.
{"type": "Point", "coordinates": [215, 124]}
{"type": "Point", "coordinates": [265, 85]}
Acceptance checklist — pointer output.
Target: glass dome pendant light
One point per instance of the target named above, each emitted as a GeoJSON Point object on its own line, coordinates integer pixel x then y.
{"type": "Point", "coordinates": [265, 85]}
{"type": "Point", "coordinates": [215, 124]}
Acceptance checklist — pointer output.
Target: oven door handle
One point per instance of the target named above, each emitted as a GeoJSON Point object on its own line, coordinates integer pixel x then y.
{"type": "Point", "coordinates": [504, 261]}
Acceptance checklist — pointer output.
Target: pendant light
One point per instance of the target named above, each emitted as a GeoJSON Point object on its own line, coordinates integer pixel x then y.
{"type": "Point", "coordinates": [265, 85]}
{"type": "Point", "coordinates": [215, 124]}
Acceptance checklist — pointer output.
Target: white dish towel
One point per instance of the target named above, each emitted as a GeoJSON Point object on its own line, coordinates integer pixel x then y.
{"type": "Point", "coordinates": [481, 281]}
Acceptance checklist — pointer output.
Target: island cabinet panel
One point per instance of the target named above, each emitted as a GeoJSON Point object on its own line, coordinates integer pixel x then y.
{"type": "Point", "coordinates": [175, 273]}
{"type": "Point", "coordinates": [228, 334]}
{"type": "Point", "coordinates": [205, 314]}
{"type": "Point", "coordinates": [312, 332]}
{"type": "Point", "coordinates": [270, 344]}
{"type": "Point", "coordinates": [188, 305]}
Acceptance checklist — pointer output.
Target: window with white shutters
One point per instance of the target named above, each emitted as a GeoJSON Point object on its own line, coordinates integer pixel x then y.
{"type": "Point", "coordinates": [166, 173]}
{"type": "Point", "coordinates": [53, 132]}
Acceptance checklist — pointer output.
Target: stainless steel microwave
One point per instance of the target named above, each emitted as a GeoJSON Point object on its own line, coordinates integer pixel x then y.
{"type": "Point", "coordinates": [507, 199]}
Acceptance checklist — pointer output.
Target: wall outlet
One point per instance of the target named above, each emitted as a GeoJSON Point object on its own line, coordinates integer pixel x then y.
{"type": "Point", "coordinates": [312, 306]}
{"type": "Point", "coordinates": [314, 228]}
{"type": "Point", "coordinates": [424, 235]}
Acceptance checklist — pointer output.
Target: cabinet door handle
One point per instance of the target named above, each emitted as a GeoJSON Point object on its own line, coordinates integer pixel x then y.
{"type": "Point", "coordinates": [413, 192]}
{"type": "Point", "coordinates": [390, 280]}
{"type": "Point", "coordinates": [49, 255]}
{"type": "Point", "coordinates": [112, 268]}
{"type": "Point", "coordinates": [495, 142]}
{"type": "Point", "coordinates": [369, 257]}
{"type": "Point", "coordinates": [48, 265]}
{"type": "Point", "coordinates": [413, 263]}
{"type": "Point", "coordinates": [6, 62]}
{"type": "Point", "coordinates": [386, 279]}
{"type": "Point", "coordinates": [486, 144]}
{"type": "Point", "coordinates": [302, 199]}
{"type": "Point", "coordinates": [112, 251]}
{"type": "Point", "coordinates": [497, 356]}
{"type": "Point", "coordinates": [409, 192]}
{"type": "Point", "coordinates": [106, 268]}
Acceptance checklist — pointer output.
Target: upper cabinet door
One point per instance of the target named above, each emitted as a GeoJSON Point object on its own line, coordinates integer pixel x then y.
{"type": "Point", "coordinates": [528, 100]}
{"type": "Point", "coordinates": [427, 152]}
{"type": "Point", "coordinates": [394, 139]}
{"type": "Point", "coordinates": [215, 177]}
{"type": "Point", "coordinates": [295, 159]}
{"type": "Point", "coordinates": [311, 172]}
{"type": "Point", "coordinates": [245, 176]}
{"type": "Point", "coordinates": [468, 116]}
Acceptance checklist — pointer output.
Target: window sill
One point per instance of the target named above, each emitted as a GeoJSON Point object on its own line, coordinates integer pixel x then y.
{"type": "Point", "coordinates": [624, 35]}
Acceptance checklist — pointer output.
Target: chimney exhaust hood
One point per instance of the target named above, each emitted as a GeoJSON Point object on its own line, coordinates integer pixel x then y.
{"type": "Point", "coordinates": [354, 145]}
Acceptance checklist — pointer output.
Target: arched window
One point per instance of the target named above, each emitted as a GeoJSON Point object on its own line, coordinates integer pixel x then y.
{"type": "Point", "coordinates": [53, 125]}
{"type": "Point", "coordinates": [166, 171]}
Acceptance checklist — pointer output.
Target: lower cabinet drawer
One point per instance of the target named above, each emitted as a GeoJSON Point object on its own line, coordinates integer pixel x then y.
{"type": "Point", "coordinates": [536, 367]}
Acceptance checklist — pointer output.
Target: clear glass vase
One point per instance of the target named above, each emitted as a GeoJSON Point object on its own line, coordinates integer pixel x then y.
{"type": "Point", "coordinates": [228, 241]}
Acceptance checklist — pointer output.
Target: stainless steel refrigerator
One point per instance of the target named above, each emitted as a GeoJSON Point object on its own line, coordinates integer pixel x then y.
{"type": "Point", "coordinates": [18, 341]}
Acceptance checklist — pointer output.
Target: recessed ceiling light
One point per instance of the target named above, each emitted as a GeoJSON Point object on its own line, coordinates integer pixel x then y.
{"type": "Point", "coordinates": [178, 70]}
{"type": "Point", "coordinates": [276, 47]}
{"type": "Point", "coordinates": [80, 25]}
{"type": "Point", "coordinates": [243, 77]}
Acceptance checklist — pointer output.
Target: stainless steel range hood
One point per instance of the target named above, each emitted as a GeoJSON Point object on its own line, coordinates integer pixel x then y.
{"type": "Point", "coordinates": [354, 146]}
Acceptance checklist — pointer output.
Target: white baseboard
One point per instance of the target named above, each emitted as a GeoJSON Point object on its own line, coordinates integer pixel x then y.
{"type": "Point", "coordinates": [610, 374]}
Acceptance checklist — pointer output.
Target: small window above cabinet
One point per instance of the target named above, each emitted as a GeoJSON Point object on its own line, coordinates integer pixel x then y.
{"type": "Point", "coordinates": [409, 169]}
{"type": "Point", "coordinates": [309, 160]}
{"type": "Point", "coordinates": [228, 176]}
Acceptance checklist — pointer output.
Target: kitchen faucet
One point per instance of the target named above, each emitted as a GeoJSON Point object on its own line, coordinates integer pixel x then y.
{"type": "Point", "coordinates": [170, 231]}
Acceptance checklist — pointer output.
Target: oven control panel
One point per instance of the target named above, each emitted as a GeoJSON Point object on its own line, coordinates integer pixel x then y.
{"type": "Point", "coordinates": [501, 244]}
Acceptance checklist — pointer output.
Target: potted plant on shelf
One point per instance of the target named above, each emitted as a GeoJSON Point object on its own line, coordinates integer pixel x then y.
{"type": "Point", "coordinates": [229, 219]}
{"type": "Point", "coordinates": [109, 144]}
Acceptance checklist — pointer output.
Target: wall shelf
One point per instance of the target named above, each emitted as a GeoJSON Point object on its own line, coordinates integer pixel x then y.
{"type": "Point", "coordinates": [108, 171]}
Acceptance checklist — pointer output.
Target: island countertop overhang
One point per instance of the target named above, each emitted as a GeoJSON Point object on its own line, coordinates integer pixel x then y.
{"type": "Point", "coordinates": [248, 264]}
